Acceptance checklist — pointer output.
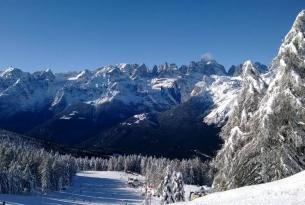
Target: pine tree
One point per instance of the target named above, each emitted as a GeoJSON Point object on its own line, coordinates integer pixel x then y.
{"type": "Point", "coordinates": [4, 183]}
{"type": "Point", "coordinates": [265, 138]}
{"type": "Point", "coordinates": [15, 174]}
{"type": "Point", "coordinates": [28, 180]}
{"type": "Point", "coordinates": [178, 187]}
{"type": "Point", "coordinates": [45, 175]}
{"type": "Point", "coordinates": [167, 188]}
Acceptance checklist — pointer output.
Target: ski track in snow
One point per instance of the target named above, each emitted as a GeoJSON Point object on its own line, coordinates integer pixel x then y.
{"type": "Point", "coordinates": [90, 187]}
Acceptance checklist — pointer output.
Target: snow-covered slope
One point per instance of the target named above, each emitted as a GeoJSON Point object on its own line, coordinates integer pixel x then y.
{"type": "Point", "coordinates": [288, 191]}
{"type": "Point", "coordinates": [223, 91]}
{"type": "Point", "coordinates": [90, 187]}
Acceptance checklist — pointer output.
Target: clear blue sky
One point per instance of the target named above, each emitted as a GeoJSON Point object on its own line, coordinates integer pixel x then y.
{"type": "Point", "coordinates": [72, 34]}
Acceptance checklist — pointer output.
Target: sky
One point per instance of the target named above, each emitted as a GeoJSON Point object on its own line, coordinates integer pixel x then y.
{"type": "Point", "coordinates": [65, 35]}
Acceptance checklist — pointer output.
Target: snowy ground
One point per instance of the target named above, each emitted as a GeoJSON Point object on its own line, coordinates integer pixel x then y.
{"type": "Point", "coordinates": [96, 188]}
{"type": "Point", "coordinates": [288, 191]}
{"type": "Point", "coordinates": [90, 187]}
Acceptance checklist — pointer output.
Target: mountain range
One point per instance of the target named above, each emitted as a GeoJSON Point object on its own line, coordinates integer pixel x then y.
{"type": "Point", "coordinates": [126, 108]}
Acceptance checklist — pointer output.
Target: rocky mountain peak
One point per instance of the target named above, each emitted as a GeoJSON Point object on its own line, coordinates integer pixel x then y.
{"type": "Point", "coordinates": [46, 74]}
{"type": "Point", "coordinates": [207, 67]}
{"type": "Point", "coordinates": [11, 72]}
{"type": "Point", "coordinates": [141, 70]}
{"type": "Point", "coordinates": [237, 70]}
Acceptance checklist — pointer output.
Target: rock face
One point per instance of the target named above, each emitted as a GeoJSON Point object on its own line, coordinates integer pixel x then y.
{"type": "Point", "coordinates": [264, 137]}
{"type": "Point", "coordinates": [236, 70]}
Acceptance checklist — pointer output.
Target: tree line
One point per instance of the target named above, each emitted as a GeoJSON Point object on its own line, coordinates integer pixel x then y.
{"type": "Point", "coordinates": [26, 168]}
{"type": "Point", "coordinates": [194, 171]}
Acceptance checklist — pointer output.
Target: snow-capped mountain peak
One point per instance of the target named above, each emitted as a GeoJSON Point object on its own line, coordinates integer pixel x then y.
{"type": "Point", "coordinates": [82, 75]}
{"type": "Point", "coordinates": [46, 74]}
{"type": "Point", "coordinates": [11, 72]}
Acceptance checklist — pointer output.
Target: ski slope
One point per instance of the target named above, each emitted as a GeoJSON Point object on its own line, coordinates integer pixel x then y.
{"type": "Point", "coordinates": [288, 191]}
{"type": "Point", "coordinates": [90, 187]}
{"type": "Point", "coordinates": [110, 188]}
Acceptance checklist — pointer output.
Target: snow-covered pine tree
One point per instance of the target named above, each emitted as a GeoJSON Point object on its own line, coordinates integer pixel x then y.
{"type": "Point", "coordinates": [270, 145]}
{"type": "Point", "coordinates": [60, 183]}
{"type": "Point", "coordinates": [235, 133]}
{"type": "Point", "coordinates": [45, 173]}
{"type": "Point", "coordinates": [15, 174]}
{"type": "Point", "coordinates": [28, 180]}
{"type": "Point", "coordinates": [178, 187]}
{"type": "Point", "coordinates": [166, 186]}
{"type": "Point", "coordinates": [25, 166]}
{"type": "Point", "coordinates": [4, 182]}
